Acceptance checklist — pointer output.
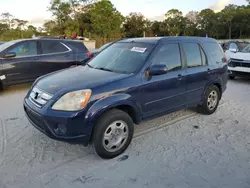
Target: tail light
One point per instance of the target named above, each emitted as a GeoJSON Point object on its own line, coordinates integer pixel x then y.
{"type": "Point", "coordinates": [90, 55]}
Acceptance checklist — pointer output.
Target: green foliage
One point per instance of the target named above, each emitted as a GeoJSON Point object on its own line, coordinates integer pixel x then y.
{"type": "Point", "coordinates": [134, 25]}
{"type": "Point", "coordinates": [12, 28]}
{"type": "Point", "coordinates": [105, 18]}
{"type": "Point", "coordinates": [99, 19]}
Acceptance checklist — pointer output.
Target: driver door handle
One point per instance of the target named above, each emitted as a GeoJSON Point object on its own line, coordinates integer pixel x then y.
{"type": "Point", "coordinates": [179, 77]}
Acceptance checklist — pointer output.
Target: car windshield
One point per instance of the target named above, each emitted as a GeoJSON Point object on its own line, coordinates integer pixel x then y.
{"type": "Point", "coordinates": [6, 45]}
{"type": "Point", "coordinates": [246, 49]}
{"type": "Point", "coordinates": [105, 46]}
{"type": "Point", "coordinates": [242, 45]}
{"type": "Point", "coordinates": [122, 57]}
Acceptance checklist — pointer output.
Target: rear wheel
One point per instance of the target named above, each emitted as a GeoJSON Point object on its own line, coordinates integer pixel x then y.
{"type": "Point", "coordinates": [210, 101]}
{"type": "Point", "coordinates": [112, 134]}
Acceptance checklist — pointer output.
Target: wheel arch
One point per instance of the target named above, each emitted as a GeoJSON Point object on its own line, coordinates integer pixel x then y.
{"type": "Point", "coordinates": [119, 101]}
{"type": "Point", "coordinates": [217, 83]}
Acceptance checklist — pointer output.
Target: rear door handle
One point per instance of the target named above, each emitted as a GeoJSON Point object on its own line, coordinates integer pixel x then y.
{"type": "Point", "coordinates": [36, 58]}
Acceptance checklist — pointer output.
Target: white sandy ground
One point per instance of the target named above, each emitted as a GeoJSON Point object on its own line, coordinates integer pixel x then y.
{"type": "Point", "coordinates": [166, 152]}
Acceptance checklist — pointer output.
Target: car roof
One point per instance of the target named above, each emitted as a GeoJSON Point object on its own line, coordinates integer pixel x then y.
{"type": "Point", "coordinates": [51, 39]}
{"type": "Point", "coordinates": [155, 40]}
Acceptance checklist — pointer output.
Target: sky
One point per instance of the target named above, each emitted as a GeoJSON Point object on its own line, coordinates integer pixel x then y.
{"type": "Point", "coordinates": [35, 11]}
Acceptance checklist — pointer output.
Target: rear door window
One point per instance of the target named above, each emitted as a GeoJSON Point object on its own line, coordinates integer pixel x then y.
{"type": "Point", "coordinates": [50, 47]}
{"type": "Point", "coordinates": [169, 55]}
{"type": "Point", "coordinates": [193, 54]}
{"type": "Point", "coordinates": [215, 52]}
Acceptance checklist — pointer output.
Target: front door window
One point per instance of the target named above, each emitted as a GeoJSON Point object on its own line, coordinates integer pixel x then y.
{"type": "Point", "coordinates": [25, 49]}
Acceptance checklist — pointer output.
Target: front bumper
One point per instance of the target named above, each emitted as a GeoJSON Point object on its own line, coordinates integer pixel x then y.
{"type": "Point", "coordinates": [70, 128]}
{"type": "Point", "coordinates": [239, 71]}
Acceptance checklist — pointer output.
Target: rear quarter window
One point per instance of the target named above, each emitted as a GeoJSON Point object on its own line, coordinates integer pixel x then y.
{"type": "Point", "coordinates": [214, 51]}
{"type": "Point", "coordinates": [77, 47]}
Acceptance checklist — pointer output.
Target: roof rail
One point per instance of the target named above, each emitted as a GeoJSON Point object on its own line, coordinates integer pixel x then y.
{"type": "Point", "coordinates": [47, 37]}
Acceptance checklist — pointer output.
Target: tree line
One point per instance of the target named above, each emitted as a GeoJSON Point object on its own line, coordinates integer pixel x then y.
{"type": "Point", "coordinates": [100, 20]}
{"type": "Point", "coordinates": [12, 28]}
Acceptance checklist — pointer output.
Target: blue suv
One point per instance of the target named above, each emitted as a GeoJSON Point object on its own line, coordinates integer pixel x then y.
{"type": "Point", "coordinates": [131, 81]}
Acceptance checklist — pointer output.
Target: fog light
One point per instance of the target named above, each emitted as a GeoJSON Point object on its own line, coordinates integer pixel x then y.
{"type": "Point", "coordinates": [61, 129]}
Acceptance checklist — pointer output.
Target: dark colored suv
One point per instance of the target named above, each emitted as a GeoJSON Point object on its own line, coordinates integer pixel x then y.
{"type": "Point", "coordinates": [131, 81]}
{"type": "Point", "coordinates": [23, 61]}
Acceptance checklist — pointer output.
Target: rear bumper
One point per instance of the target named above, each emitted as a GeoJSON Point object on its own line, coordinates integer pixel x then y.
{"type": "Point", "coordinates": [59, 129]}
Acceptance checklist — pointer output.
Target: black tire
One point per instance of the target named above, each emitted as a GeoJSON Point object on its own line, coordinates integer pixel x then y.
{"type": "Point", "coordinates": [1, 86]}
{"type": "Point", "coordinates": [231, 77]}
{"type": "Point", "coordinates": [101, 126]}
{"type": "Point", "coordinates": [204, 108]}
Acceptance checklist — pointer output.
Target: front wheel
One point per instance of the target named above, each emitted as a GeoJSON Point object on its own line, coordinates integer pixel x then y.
{"type": "Point", "coordinates": [211, 100]}
{"type": "Point", "coordinates": [112, 134]}
{"type": "Point", "coordinates": [1, 86]}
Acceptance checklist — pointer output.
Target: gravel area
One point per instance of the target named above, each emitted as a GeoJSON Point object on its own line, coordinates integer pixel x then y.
{"type": "Point", "coordinates": [183, 149]}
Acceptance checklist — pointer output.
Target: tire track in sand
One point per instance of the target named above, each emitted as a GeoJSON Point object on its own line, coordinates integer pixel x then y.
{"type": "Point", "coordinates": [4, 136]}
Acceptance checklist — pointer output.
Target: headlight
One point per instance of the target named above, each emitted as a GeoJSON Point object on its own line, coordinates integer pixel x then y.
{"type": "Point", "coordinates": [73, 101]}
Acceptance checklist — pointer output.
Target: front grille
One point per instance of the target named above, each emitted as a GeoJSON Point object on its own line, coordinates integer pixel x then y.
{"type": "Point", "coordinates": [36, 119]}
{"type": "Point", "coordinates": [39, 97]}
{"type": "Point", "coordinates": [239, 63]}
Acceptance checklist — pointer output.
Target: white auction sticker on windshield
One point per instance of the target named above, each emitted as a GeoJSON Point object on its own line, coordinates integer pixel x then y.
{"type": "Point", "coordinates": [138, 49]}
{"type": "Point", "coordinates": [3, 77]}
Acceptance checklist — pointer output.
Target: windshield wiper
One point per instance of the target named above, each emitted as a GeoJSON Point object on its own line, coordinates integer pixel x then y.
{"type": "Point", "coordinates": [89, 65]}
{"type": "Point", "coordinates": [105, 69]}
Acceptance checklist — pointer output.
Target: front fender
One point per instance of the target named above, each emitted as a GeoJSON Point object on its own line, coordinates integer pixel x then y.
{"type": "Point", "coordinates": [102, 105]}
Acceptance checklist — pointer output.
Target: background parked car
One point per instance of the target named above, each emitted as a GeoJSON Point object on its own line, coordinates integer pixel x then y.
{"type": "Point", "coordinates": [239, 64]}
{"type": "Point", "coordinates": [23, 61]}
{"type": "Point", "coordinates": [233, 47]}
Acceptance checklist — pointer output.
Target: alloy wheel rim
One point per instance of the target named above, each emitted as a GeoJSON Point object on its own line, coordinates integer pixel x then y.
{"type": "Point", "coordinates": [115, 136]}
{"type": "Point", "coordinates": [212, 100]}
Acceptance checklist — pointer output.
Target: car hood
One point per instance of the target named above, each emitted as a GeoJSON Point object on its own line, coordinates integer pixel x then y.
{"type": "Point", "coordinates": [241, 55]}
{"type": "Point", "coordinates": [81, 77]}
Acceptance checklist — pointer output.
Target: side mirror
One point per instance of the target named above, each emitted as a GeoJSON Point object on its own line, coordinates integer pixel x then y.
{"type": "Point", "coordinates": [10, 55]}
{"type": "Point", "coordinates": [234, 50]}
{"type": "Point", "coordinates": [158, 70]}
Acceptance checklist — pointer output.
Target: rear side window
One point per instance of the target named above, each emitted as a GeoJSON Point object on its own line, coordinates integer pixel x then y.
{"type": "Point", "coordinates": [193, 54]}
{"type": "Point", "coordinates": [77, 47]}
{"type": "Point", "coordinates": [49, 47]}
{"type": "Point", "coordinates": [169, 55]}
{"type": "Point", "coordinates": [215, 52]}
